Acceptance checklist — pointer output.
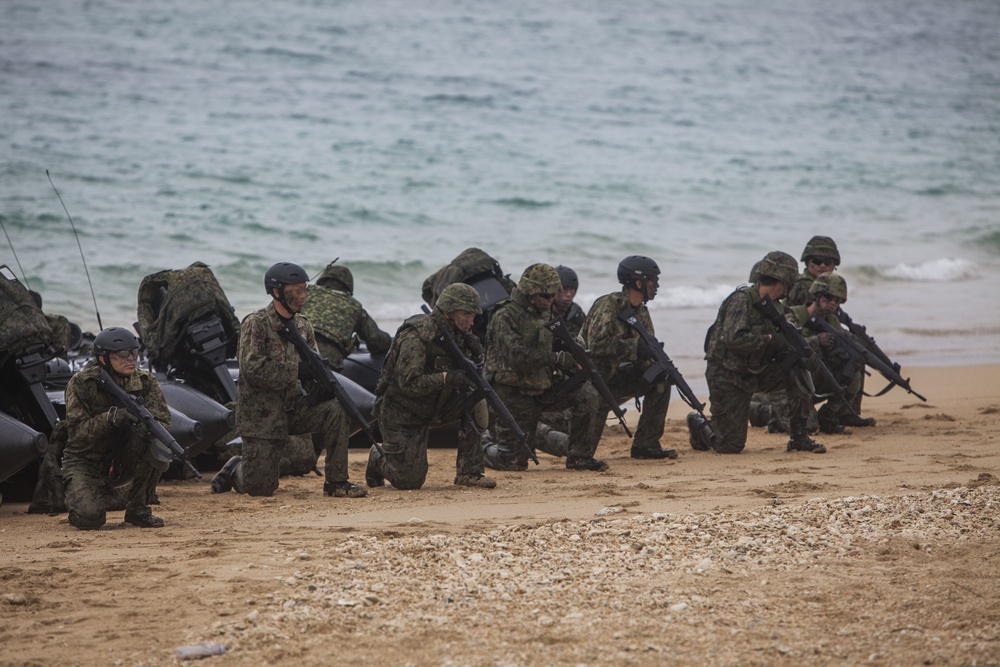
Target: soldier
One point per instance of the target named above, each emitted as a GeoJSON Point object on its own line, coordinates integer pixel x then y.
{"type": "Point", "coordinates": [563, 304]}
{"type": "Point", "coordinates": [820, 256]}
{"type": "Point", "coordinates": [421, 387]}
{"type": "Point", "coordinates": [271, 404]}
{"type": "Point", "coordinates": [621, 356]}
{"type": "Point", "coordinates": [339, 319]}
{"type": "Point", "coordinates": [106, 446]}
{"type": "Point", "coordinates": [521, 364]}
{"type": "Point", "coordinates": [828, 292]}
{"type": "Point", "coordinates": [743, 349]}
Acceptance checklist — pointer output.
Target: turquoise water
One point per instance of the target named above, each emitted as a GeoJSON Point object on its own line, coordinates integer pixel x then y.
{"type": "Point", "coordinates": [395, 134]}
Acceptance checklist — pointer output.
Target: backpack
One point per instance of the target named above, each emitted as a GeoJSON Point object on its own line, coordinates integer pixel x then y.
{"type": "Point", "coordinates": [22, 323]}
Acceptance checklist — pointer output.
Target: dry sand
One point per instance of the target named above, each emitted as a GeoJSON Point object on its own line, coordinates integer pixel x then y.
{"type": "Point", "coordinates": [884, 551]}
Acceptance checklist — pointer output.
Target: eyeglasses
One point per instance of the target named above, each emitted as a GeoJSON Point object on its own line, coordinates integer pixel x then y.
{"type": "Point", "coordinates": [125, 355]}
{"type": "Point", "coordinates": [823, 261]}
{"type": "Point", "coordinates": [546, 295]}
{"type": "Point", "coordinates": [830, 297]}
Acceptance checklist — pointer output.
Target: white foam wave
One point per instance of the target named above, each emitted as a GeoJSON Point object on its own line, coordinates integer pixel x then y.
{"type": "Point", "coordinates": [944, 270]}
{"type": "Point", "coordinates": [695, 296]}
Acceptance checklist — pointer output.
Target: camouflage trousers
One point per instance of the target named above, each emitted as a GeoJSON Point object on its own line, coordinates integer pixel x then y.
{"type": "Point", "coordinates": [585, 426]}
{"type": "Point", "coordinates": [404, 441]}
{"type": "Point", "coordinates": [730, 394]}
{"type": "Point", "coordinates": [828, 416]}
{"type": "Point", "coordinates": [257, 474]}
{"type": "Point", "coordinates": [90, 491]}
{"type": "Point", "coordinates": [627, 383]}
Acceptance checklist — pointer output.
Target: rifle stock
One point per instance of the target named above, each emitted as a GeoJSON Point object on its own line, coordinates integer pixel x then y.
{"type": "Point", "coordinates": [133, 405]}
{"type": "Point", "coordinates": [662, 364]}
{"type": "Point", "coordinates": [483, 388]}
{"type": "Point", "coordinates": [801, 348]}
{"type": "Point", "coordinates": [858, 349]}
{"type": "Point", "coordinates": [327, 385]}
{"type": "Point", "coordinates": [558, 328]}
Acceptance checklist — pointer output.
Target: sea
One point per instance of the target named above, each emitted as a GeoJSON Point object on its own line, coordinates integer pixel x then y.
{"type": "Point", "coordinates": [390, 135]}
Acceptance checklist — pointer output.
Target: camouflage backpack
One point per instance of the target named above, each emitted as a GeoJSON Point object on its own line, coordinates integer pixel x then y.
{"type": "Point", "coordinates": [22, 323]}
{"type": "Point", "coordinates": [472, 264]}
{"type": "Point", "coordinates": [171, 300]}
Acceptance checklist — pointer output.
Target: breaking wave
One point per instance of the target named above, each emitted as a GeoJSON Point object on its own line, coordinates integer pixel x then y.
{"type": "Point", "coordinates": [945, 270]}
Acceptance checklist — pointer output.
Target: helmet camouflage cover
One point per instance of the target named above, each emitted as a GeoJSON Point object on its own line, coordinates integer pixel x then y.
{"type": "Point", "coordinates": [778, 265]}
{"type": "Point", "coordinates": [821, 246]}
{"type": "Point", "coordinates": [336, 276]}
{"type": "Point", "coordinates": [830, 283]}
{"type": "Point", "coordinates": [539, 279]}
{"type": "Point", "coordinates": [459, 296]}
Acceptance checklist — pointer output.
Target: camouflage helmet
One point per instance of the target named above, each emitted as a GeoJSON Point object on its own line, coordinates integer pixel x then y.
{"type": "Point", "coordinates": [830, 283]}
{"type": "Point", "coordinates": [567, 277]}
{"type": "Point", "coordinates": [821, 246]}
{"type": "Point", "coordinates": [337, 277]}
{"type": "Point", "coordinates": [539, 279]}
{"type": "Point", "coordinates": [637, 267]}
{"type": "Point", "coordinates": [284, 273]}
{"type": "Point", "coordinates": [459, 296]}
{"type": "Point", "coordinates": [114, 339]}
{"type": "Point", "coordinates": [778, 265]}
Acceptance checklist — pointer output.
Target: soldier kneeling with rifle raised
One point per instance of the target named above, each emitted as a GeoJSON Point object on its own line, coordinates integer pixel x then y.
{"type": "Point", "coordinates": [431, 378]}
{"type": "Point", "coordinates": [108, 444]}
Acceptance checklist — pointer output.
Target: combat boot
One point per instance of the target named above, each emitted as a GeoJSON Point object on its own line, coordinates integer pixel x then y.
{"type": "Point", "coordinates": [143, 520]}
{"type": "Point", "coordinates": [475, 480]}
{"type": "Point", "coordinates": [344, 490]}
{"type": "Point", "coordinates": [800, 441]}
{"type": "Point", "coordinates": [657, 453]}
{"type": "Point", "coordinates": [860, 422]}
{"type": "Point", "coordinates": [500, 458]}
{"type": "Point", "coordinates": [585, 463]}
{"type": "Point", "coordinates": [695, 423]}
{"type": "Point", "coordinates": [223, 480]}
{"type": "Point", "coordinates": [373, 477]}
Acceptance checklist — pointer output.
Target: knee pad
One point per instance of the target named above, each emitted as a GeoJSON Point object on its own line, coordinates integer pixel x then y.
{"type": "Point", "coordinates": [481, 415]}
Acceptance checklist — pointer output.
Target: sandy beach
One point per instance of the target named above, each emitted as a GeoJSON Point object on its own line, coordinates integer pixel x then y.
{"type": "Point", "coordinates": [884, 551]}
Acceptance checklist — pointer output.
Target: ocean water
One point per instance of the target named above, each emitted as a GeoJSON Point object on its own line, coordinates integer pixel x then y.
{"type": "Point", "coordinates": [395, 134]}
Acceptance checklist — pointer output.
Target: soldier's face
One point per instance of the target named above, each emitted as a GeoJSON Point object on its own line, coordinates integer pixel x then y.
{"type": "Point", "coordinates": [564, 297]}
{"type": "Point", "coordinates": [828, 303]}
{"type": "Point", "coordinates": [295, 296]}
{"type": "Point", "coordinates": [124, 366]}
{"type": "Point", "coordinates": [817, 266]}
{"type": "Point", "coordinates": [462, 319]}
{"type": "Point", "coordinates": [542, 302]}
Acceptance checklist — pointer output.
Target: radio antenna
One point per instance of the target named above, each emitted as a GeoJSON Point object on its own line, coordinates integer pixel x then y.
{"type": "Point", "coordinates": [77, 235]}
{"type": "Point", "coordinates": [19, 267]}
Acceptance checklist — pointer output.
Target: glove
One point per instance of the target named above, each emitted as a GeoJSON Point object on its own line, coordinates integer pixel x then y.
{"type": "Point", "coordinates": [643, 351]}
{"type": "Point", "coordinates": [121, 418]}
{"type": "Point", "coordinates": [827, 340]}
{"type": "Point", "coordinates": [475, 347]}
{"type": "Point", "coordinates": [775, 346]}
{"type": "Point", "coordinates": [565, 361]}
{"type": "Point", "coordinates": [457, 379]}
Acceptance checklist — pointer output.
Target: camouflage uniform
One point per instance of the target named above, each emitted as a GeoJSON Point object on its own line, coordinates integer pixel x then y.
{"type": "Point", "coordinates": [271, 405]}
{"type": "Point", "coordinates": [613, 346]}
{"type": "Point", "coordinates": [339, 319]}
{"type": "Point", "coordinates": [736, 350]}
{"type": "Point", "coordinates": [520, 363]}
{"type": "Point", "coordinates": [99, 456]}
{"type": "Point", "coordinates": [412, 397]}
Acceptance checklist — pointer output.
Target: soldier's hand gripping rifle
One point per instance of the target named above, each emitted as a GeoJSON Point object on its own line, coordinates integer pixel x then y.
{"type": "Point", "coordinates": [327, 385]}
{"type": "Point", "coordinates": [801, 351]}
{"type": "Point", "coordinates": [483, 389]}
{"type": "Point", "coordinates": [860, 333]}
{"type": "Point", "coordinates": [861, 351]}
{"type": "Point", "coordinates": [662, 365]}
{"type": "Point", "coordinates": [558, 328]}
{"type": "Point", "coordinates": [165, 447]}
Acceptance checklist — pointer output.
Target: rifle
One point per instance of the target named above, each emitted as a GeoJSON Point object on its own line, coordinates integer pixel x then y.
{"type": "Point", "coordinates": [860, 333]}
{"type": "Point", "coordinates": [859, 350]}
{"type": "Point", "coordinates": [663, 365]}
{"type": "Point", "coordinates": [168, 448]}
{"type": "Point", "coordinates": [801, 349]}
{"type": "Point", "coordinates": [483, 388]}
{"type": "Point", "coordinates": [558, 328]}
{"type": "Point", "coordinates": [327, 385]}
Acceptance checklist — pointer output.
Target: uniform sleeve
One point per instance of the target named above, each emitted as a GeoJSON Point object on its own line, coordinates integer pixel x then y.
{"type": "Point", "coordinates": [378, 341]}
{"type": "Point", "coordinates": [256, 362]}
{"type": "Point", "coordinates": [518, 354]}
{"type": "Point", "coordinates": [84, 424]}
{"type": "Point", "coordinates": [604, 333]}
{"type": "Point", "coordinates": [411, 377]}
